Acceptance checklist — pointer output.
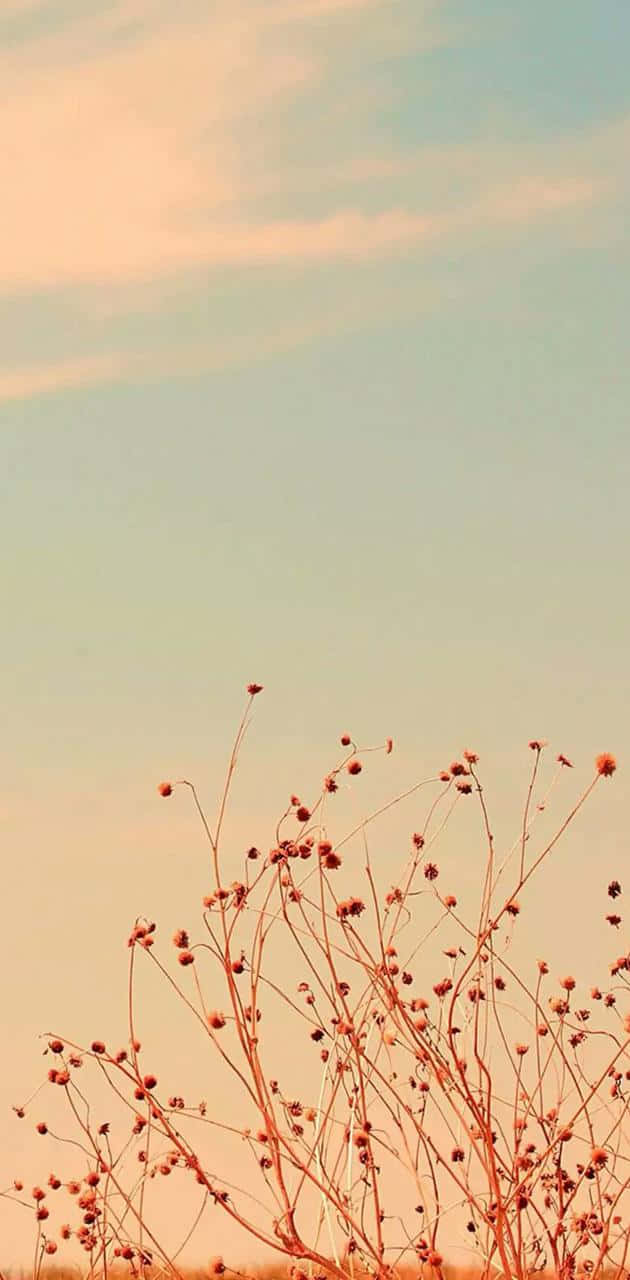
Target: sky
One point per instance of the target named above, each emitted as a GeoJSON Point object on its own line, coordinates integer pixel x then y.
{"type": "Point", "coordinates": [313, 372]}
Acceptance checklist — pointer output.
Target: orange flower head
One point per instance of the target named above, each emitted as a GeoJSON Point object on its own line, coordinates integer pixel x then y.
{"type": "Point", "coordinates": [354, 767]}
{"type": "Point", "coordinates": [605, 765]}
{"type": "Point", "coordinates": [165, 789]}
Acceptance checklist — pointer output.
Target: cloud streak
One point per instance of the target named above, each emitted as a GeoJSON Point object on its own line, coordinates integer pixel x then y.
{"type": "Point", "coordinates": [145, 145]}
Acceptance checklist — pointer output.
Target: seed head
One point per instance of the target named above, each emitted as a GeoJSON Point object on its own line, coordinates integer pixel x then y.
{"type": "Point", "coordinates": [165, 789]}
{"type": "Point", "coordinates": [216, 1020]}
{"type": "Point", "coordinates": [605, 765]}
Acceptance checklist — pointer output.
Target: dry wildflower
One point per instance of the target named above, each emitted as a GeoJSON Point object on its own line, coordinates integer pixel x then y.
{"type": "Point", "coordinates": [444, 775]}
{"type": "Point", "coordinates": [354, 767]}
{"type": "Point", "coordinates": [345, 739]}
{"type": "Point", "coordinates": [42, 1127]}
{"type": "Point", "coordinates": [165, 789]}
{"type": "Point", "coordinates": [330, 785]}
{"type": "Point", "coordinates": [537, 744]}
{"type": "Point", "coordinates": [559, 1006]}
{"type": "Point", "coordinates": [543, 967]}
{"type": "Point", "coordinates": [450, 901]}
{"type": "Point", "coordinates": [568, 983]}
{"type": "Point", "coordinates": [389, 746]}
{"type": "Point", "coordinates": [303, 814]}
{"type": "Point", "coordinates": [331, 861]}
{"type": "Point", "coordinates": [599, 1157]}
{"type": "Point", "coordinates": [418, 840]}
{"type": "Point", "coordinates": [521, 1049]}
{"type": "Point", "coordinates": [464, 788]}
{"type": "Point", "coordinates": [512, 907]}
{"type": "Point", "coordinates": [181, 939]}
{"type": "Point", "coordinates": [186, 958]}
{"type": "Point", "coordinates": [614, 920]}
{"type": "Point", "coordinates": [97, 1046]}
{"type": "Point", "coordinates": [216, 1020]}
{"type": "Point", "coordinates": [50, 1247]}
{"type": "Point", "coordinates": [431, 871]}
{"type": "Point", "coordinates": [564, 761]}
{"type": "Point", "coordinates": [614, 889]}
{"type": "Point", "coordinates": [457, 769]}
{"type": "Point", "coordinates": [350, 907]}
{"type": "Point", "coordinates": [253, 689]}
{"type": "Point", "coordinates": [149, 1081]}
{"type": "Point", "coordinates": [442, 988]}
{"type": "Point", "coordinates": [471, 757]}
{"type": "Point", "coordinates": [56, 1046]}
{"type": "Point", "coordinates": [605, 765]}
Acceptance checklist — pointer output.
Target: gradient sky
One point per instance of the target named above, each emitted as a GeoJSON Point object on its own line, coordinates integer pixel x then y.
{"type": "Point", "coordinates": [314, 371]}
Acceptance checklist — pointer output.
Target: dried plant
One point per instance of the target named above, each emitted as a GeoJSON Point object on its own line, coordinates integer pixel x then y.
{"type": "Point", "coordinates": [484, 1103]}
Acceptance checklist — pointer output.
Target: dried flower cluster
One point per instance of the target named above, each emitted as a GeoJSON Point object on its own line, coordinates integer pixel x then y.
{"type": "Point", "coordinates": [432, 1099]}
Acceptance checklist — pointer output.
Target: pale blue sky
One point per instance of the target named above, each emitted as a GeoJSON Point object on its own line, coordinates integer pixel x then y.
{"type": "Point", "coordinates": [314, 371]}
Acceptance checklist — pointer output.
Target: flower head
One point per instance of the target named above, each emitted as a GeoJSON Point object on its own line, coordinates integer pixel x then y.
{"type": "Point", "coordinates": [605, 765]}
{"type": "Point", "coordinates": [165, 789]}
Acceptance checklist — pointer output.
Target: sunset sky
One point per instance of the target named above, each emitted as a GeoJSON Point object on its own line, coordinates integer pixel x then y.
{"type": "Point", "coordinates": [313, 371]}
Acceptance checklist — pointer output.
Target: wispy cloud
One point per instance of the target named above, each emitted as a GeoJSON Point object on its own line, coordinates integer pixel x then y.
{"type": "Point", "coordinates": [132, 156]}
